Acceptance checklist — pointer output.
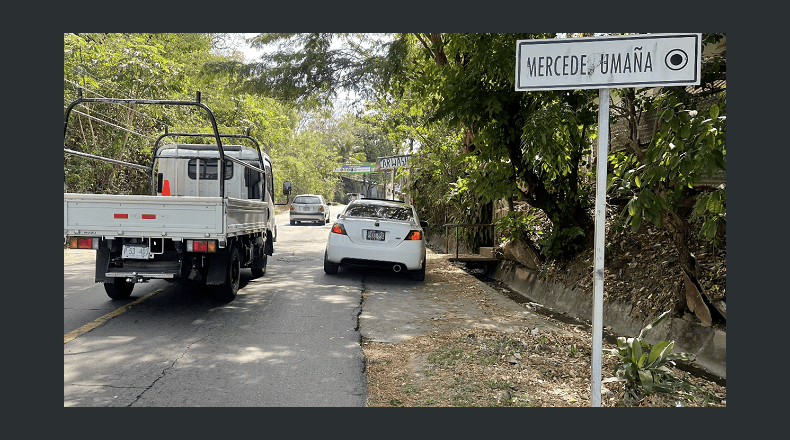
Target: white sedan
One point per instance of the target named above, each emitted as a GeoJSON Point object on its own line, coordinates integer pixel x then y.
{"type": "Point", "coordinates": [377, 233]}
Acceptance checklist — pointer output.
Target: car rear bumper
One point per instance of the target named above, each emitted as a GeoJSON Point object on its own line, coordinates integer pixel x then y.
{"type": "Point", "coordinates": [310, 217]}
{"type": "Point", "coordinates": [409, 254]}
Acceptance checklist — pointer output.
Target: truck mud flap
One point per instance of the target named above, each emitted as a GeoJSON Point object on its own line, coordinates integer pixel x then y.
{"type": "Point", "coordinates": [218, 268]}
{"type": "Point", "coordinates": [102, 264]}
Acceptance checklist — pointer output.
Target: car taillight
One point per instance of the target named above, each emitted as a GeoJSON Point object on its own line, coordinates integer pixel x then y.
{"type": "Point", "coordinates": [414, 235]}
{"type": "Point", "coordinates": [83, 243]}
{"type": "Point", "coordinates": [321, 209]}
{"type": "Point", "coordinates": [292, 207]}
{"type": "Point", "coordinates": [202, 246]}
{"type": "Point", "coordinates": [337, 228]}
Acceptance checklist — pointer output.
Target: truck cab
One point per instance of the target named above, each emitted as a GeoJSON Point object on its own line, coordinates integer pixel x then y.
{"type": "Point", "coordinates": [192, 170]}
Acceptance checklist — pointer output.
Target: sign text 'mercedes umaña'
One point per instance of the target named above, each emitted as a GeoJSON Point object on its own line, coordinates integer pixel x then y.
{"type": "Point", "coordinates": [648, 60]}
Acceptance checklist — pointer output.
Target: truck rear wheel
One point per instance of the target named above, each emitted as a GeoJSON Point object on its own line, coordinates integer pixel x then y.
{"type": "Point", "coordinates": [119, 288]}
{"type": "Point", "coordinates": [258, 272]}
{"type": "Point", "coordinates": [227, 290]}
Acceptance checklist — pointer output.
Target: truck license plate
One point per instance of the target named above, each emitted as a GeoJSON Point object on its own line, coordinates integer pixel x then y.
{"type": "Point", "coordinates": [374, 235]}
{"type": "Point", "coordinates": [135, 252]}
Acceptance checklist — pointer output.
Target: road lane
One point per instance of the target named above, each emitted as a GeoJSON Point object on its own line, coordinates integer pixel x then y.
{"type": "Point", "coordinates": [289, 339]}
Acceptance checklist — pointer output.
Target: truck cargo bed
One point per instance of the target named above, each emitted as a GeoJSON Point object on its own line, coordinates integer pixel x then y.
{"type": "Point", "coordinates": [175, 217]}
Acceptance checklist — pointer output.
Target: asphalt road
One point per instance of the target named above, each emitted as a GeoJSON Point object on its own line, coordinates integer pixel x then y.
{"type": "Point", "coordinates": [290, 339]}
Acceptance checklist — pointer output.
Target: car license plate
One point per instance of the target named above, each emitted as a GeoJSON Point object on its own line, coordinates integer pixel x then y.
{"type": "Point", "coordinates": [305, 209]}
{"type": "Point", "coordinates": [374, 235]}
{"type": "Point", "coordinates": [139, 252]}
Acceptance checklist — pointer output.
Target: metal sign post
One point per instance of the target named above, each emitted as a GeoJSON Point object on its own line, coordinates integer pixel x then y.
{"type": "Point", "coordinates": [600, 232]}
{"type": "Point", "coordinates": [647, 60]}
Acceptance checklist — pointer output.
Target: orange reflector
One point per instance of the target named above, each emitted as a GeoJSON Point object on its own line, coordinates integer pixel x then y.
{"type": "Point", "coordinates": [166, 188]}
{"type": "Point", "coordinates": [149, 216]}
{"type": "Point", "coordinates": [121, 215]}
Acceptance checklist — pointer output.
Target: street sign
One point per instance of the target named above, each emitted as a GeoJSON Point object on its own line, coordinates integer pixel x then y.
{"type": "Point", "coordinates": [362, 167]}
{"type": "Point", "coordinates": [645, 60]}
{"type": "Point", "coordinates": [390, 162]}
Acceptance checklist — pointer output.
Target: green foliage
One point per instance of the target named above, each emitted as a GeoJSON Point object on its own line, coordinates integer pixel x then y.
{"type": "Point", "coordinates": [511, 143]}
{"type": "Point", "coordinates": [173, 66]}
{"type": "Point", "coordinates": [645, 365]}
{"type": "Point", "coordinates": [515, 226]}
{"type": "Point", "coordinates": [688, 145]}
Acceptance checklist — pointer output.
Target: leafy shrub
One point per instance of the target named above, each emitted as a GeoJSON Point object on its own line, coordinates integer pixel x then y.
{"type": "Point", "coordinates": [643, 364]}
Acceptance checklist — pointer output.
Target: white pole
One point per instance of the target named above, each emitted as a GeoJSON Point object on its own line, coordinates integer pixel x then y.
{"type": "Point", "coordinates": [600, 231]}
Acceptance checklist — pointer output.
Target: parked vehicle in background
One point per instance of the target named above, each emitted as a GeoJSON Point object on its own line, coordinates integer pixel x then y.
{"type": "Point", "coordinates": [377, 233]}
{"type": "Point", "coordinates": [310, 208]}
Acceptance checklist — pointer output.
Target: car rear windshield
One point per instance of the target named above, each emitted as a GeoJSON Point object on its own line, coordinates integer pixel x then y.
{"type": "Point", "coordinates": [307, 200]}
{"type": "Point", "coordinates": [388, 212]}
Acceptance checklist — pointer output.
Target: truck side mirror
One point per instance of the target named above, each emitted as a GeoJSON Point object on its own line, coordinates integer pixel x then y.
{"type": "Point", "coordinates": [286, 188]}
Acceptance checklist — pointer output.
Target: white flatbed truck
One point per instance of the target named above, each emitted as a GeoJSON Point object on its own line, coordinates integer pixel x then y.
{"type": "Point", "coordinates": [202, 221]}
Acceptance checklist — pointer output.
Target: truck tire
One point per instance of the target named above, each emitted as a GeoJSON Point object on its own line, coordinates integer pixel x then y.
{"type": "Point", "coordinates": [227, 291]}
{"type": "Point", "coordinates": [258, 272]}
{"type": "Point", "coordinates": [118, 289]}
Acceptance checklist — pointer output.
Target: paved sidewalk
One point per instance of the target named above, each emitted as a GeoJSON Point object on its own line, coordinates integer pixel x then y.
{"type": "Point", "coordinates": [448, 299]}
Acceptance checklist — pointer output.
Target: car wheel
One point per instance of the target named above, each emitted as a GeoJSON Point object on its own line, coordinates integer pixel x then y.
{"type": "Point", "coordinates": [118, 289]}
{"type": "Point", "coordinates": [419, 274]}
{"type": "Point", "coordinates": [293, 222]}
{"type": "Point", "coordinates": [227, 291]}
{"type": "Point", "coordinates": [330, 267]}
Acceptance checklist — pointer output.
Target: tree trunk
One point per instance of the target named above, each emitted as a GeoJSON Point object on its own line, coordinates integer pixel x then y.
{"type": "Point", "coordinates": [690, 297]}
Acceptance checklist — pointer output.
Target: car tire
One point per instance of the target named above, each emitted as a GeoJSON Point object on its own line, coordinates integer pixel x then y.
{"type": "Point", "coordinates": [419, 274]}
{"type": "Point", "coordinates": [330, 267]}
{"type": "Point", "coordinates": [119, 288]}
{"type": "Point", "coordinates": [293, 222]}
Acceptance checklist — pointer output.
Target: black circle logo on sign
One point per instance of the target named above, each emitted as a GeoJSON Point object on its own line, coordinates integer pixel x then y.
{"type": "Point", "coordinates": [676, 59]}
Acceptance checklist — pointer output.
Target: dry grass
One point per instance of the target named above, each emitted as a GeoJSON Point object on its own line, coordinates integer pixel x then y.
{"type": "Point", "coordinates": [525, 365]}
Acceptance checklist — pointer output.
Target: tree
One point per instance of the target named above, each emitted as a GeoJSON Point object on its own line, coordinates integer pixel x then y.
{"type": "Point", "coordinates": [661, 178]}
{"type": "Point", "coordinates": [153, 66]}
{"type": "Point", "coordinates": [529, 144]}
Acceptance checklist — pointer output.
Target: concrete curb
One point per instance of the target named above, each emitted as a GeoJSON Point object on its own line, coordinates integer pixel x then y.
{"type": "Point", "coordinates": [708, 344]}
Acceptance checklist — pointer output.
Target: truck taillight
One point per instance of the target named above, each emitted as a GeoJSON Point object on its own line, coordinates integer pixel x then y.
{"type": "Point", "coordinates": [414, 235]}
{"type": "Point", "coordinates": [83, 243]}
{"type": "Point", "coordinates": [201, 245]}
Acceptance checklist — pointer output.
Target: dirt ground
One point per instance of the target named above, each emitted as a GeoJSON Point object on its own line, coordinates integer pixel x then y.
{"type": "Point", "coordinates": [526, 365]}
